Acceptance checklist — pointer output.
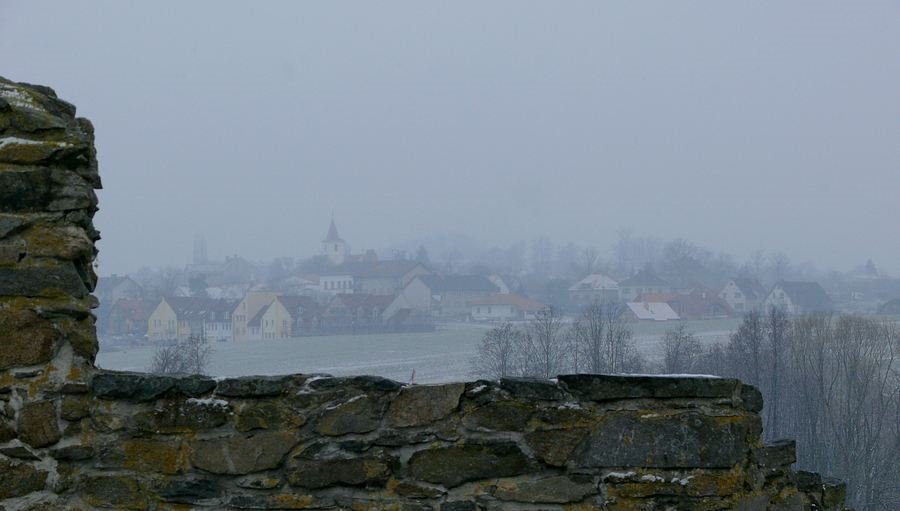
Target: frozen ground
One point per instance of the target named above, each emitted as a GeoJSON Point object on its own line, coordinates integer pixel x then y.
{"type": "Point", "coordinates": [440, 356]}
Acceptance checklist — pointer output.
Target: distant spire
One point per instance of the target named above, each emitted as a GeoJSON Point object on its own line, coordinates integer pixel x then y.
{"type": "Point", "coordinates": [332, 232]}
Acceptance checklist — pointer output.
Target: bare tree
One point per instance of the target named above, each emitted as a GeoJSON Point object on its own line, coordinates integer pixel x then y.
{"type": "Point", "coordinates": [681, 350]}
{"type": "Point", "coordinates": [498, 355]}
{"type": "Point", "coordinates": [191, 356]}
{"type": "Point", "coordinates": [545, 341]}
{"type": "Point", "coordinates": [603, 341]}
{"type": "Point", "coordinates": [746, 348]}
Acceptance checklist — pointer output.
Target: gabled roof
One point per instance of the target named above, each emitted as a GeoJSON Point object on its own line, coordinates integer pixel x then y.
{"type": "Point", "coordinates": [106, 285]}
{"type": "Point", "coordinates": [520, 302]}
{"type": "Point", "coordinates": [458, 283]}
{"type": "Point", "coordinates": [807, 295]}
{"type": "Point", "coordinates": [655, 311]}
{"type": "Point", "coordinates": [751, 288]}
{"type": "Point", "coordinates": [644, 278]}
{"type": "Point", "coordinates": [332, 235]}
{"type": "Point", "coordinates": [595, 282]}
{"type": "Point", "coordinates": [256, 320]}
{"type": "Point", "coordinates": [375, 269]}
{"type": "Point", "coordinates": [195, 308]}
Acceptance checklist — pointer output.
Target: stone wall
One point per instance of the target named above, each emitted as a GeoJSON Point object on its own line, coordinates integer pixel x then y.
{"type": "Point", "coordinates": [74, 437]}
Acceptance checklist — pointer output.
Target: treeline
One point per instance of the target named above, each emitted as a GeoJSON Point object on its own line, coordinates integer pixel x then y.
{"type": "Point", "coordinates": [832, 383]}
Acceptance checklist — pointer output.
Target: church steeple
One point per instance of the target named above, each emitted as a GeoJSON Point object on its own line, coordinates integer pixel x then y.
{"type": "Point", "coordinates": [333, 247]}
{"type": "Point", "coordinates": [332, 235]}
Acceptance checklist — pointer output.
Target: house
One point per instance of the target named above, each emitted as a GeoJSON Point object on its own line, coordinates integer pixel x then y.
{"type": "Point", "coordinates": [247, 310]}
{"type": "Point", "coordinates": [115, 287]}
{"type": "Point", "coordinates": [109, 291]}
{"type": "Point", "coordinates": [505, 307]}
{"type": "Point", "coordinates": [890, 308]}
{"type": "Point", "coordinates": [371, 277]}
{"type": "Point", "coordinates": [179, 318]}
{"type": "Point", "coordinates": [798, 298]}
{"type": "Point", "coordinates": [743, 294]}
{"type": "Point", "coordinates": [129, 316]}
{"type": "Point", "coordinates": [285, 317]}
{"type": "Point", "coordinates": [644, 281]}
{"type": "Point", "coordinates": [595, 288]}
{"type": "Point", "coordinates": [356, 313]}
{"type": "Point", "coordinates": [444, 296]}
{"type": "Point", "coordinates": [698, 303]}
{"type": "Point", "coordinates": [648, 311]}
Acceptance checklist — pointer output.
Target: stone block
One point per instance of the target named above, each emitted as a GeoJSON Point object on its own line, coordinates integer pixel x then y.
{"type": "Point", "coordinates": [418, 405]}
{"type": "Point", "coordinates": [454, 465]}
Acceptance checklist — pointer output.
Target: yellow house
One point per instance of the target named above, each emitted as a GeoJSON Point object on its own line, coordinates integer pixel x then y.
{"type": "Point", "coordinates": [276, 321]}
{"type": "Point", "coordinates": [246, 312]}
{"type": "Point", "coordinates": [163, 322]}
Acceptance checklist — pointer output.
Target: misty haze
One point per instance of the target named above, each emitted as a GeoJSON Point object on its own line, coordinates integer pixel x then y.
{"type": "Point", "coordinates": [436, 193]}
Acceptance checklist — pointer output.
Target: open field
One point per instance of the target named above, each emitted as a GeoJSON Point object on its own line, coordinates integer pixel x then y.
{"type": "Point", "coordinates": [439, 356]}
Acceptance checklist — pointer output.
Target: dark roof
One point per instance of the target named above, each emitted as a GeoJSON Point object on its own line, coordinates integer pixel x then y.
{"type": "Point", "coordinates": [192, 308]}
{"type": "Point", "coordinates": [364, 301]}
{"type": "Point", "coordinates": [257, 318]}
{"type": "Point", "coordinates": [375, 269]}
{"type": "Point", "coordinates": [135, 309]}
{"type": "Point", "coordinates": [751, 288]}
{"type": "Point", "coordinates": [298, 306]}
{"type": "Point", "coordinates": [332, 233]}
{"type": "Point", "coordinates": [459, 283]}
{"type": "Point", "coordinates": [807, 295]}
{"type": "Point", "coordinates": [645, 277]}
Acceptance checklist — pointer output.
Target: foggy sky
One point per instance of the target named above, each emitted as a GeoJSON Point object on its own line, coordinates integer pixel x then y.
{"type": "Point", "coordinates": [738, 125]}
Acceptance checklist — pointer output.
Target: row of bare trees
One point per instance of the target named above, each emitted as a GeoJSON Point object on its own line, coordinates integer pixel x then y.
{"type": "Point", "coordinates": [598, 341]}
{"type": "Point", "coordinates": [830, 382]}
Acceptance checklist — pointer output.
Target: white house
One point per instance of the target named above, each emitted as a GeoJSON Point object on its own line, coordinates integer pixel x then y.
{"type": "Point", "coordinates": [505, 307]}
{"type": "Point", "coordinates": [595, 288]}
{"type": "Point", "coordinates": [798, 298]}
{"type": "Point", "coordinates": [644, 281]}
{"type": "Point", "coordinates": [743, 294]}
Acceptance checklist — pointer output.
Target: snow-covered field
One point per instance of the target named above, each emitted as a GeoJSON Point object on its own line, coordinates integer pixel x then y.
{"type": "Point", "coordinates": [440, 356]}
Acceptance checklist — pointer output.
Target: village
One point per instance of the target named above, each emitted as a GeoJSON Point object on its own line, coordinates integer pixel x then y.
{"type": "Point", "coordinates": [359, 293]}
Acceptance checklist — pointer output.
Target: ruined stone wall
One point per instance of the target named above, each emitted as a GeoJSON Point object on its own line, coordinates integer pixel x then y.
{"type": "Point", "coordinates": [74, 437]}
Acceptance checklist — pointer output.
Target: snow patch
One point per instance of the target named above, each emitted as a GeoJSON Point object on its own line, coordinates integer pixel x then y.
{"type": "Point", "coordinates": [479, 389]}
{"type": "Point", "coordinates": [683, 481]}
{"type": "Point", "coordinates": [619, 475]}
{"type": "Point", "coordinates": [650, 478]}
{"type": "Point", "coordinates": [209, 401]}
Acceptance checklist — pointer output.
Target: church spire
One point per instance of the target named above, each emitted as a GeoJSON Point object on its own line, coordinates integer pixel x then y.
{"type": "Point", "coordinates": [332, 232]}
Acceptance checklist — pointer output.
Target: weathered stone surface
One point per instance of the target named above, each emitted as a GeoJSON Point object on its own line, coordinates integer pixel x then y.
{"type": "Point", "coordinates": [360, 414]}
{"type": "Point", "coordinates": [533, 389]}
{"type": "Point", "coordinates": [548, 490]}
{"type": "Point", "coordinates": [26, 338]}
{"type": "Point", "coordinates": [421, 404]}
{"type": "Point", "coordinates": [76, 407]}
{"type": "Point", "coordinates": [20, 479]}
{"type": "Point", "coordinates": [500, 416]}
{"type": "Point", "coordinates": [340, 472]}
{"type": "Point", "coordinates": [18, 451]}
{"type": "Point", "coordinates": [414, 490]}
{"type": "Point", "coordinates": [751, 398]}
{"type": "Point", "coordinates": [253, 386]}
{"type": "Point", "coordinates": [38, 424]}
{"type": "Point", "coordinates": [48, 282]}
{"type": "Point", "coordinates": [191, 490]}
{"type": "Point", "coordinates": [779, 453]}
{"type": "Point", "coordinates": [364, 383]}
{"type": "Point", "coordinates": [73, 452]}
{"type": "Point", "coordinates": [266, 415]}
{"type": "Point", "coordinates": [179, 416]}
{"type": "Point", "coordinates": [684, 440]}
{"type": "Point", "coordinates": [260, 482]}
{"type": "Point", "coordinates": [113, 492]}
{"type": "Point", "coordinates": [195, 385]}
{"type": "Point", "coordinates": [554, 447]}
{"type": "Point", "coordinates": [596, 387]}
{"type": "Point", "coordinates": [238, 455]}
{"type": "Point", "coordinates": [280, 501]}
{"type": "Point", "coordinates": [452, 466]}
{"type": "Point", "coordinates": [138, 387]}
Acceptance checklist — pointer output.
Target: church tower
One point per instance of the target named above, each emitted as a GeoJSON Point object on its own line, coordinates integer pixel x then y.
{"type": "Point", "coordinates": [333, 247]}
